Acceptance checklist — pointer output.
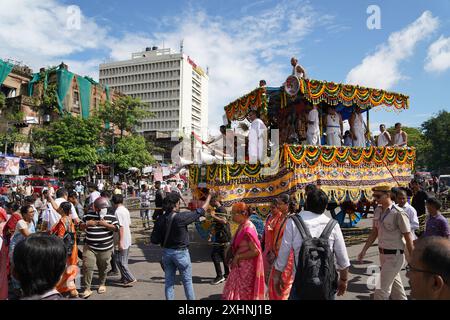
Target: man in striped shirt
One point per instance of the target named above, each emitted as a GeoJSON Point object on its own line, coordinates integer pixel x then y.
{"type": "Point", "coordinates": [100, 227]}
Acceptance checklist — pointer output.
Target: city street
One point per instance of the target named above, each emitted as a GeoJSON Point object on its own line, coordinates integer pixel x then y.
{"type": "Point", "coordinates": [144, 263]}
{"type": "Point", "coordinates": [248, 109]}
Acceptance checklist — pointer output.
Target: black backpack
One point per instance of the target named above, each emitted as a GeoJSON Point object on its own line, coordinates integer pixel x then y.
{"type": "Point", "coordinates": [316, 277]}
{"type": "Point", "coordinates": [69, 239]}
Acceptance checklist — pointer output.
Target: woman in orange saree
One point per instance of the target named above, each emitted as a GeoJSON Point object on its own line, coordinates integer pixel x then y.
{"type": "Point", "coordinates": [279, 225]}
{"type": "Point", "coordinates": [269, 238]}
{"type": "Point", "coordinates": [64, 225]}
{"type": "Point", "coordinates": [246, 278]}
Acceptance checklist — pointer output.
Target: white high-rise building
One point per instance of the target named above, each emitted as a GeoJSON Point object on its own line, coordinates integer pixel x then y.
{"type": "Point", "coordinates": [175, 88]}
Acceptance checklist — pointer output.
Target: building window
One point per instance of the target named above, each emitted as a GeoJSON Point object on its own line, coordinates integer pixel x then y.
{"type": "Point", "coordinates": [76, 101]}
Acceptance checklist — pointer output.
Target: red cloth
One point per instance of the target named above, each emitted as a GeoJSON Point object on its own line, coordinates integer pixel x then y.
{"type": "Point", "coordinates": [3, 215]}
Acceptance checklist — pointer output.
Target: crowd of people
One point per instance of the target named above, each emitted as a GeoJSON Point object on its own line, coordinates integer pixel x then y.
{"type": "Point", "coordinates": [283, 263]}
{"type": "Point", "coordinates": [301, 254]}
{"type": "Point", "coordinates": [103, 220]}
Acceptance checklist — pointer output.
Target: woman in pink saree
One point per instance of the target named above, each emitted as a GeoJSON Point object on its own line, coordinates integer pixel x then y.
{"type": "Point", "coordinates": [3, 258]}
{"type": "Point", "coordinates": [278, 226]}
{"type": "Point", "coordinates": [246, 279]}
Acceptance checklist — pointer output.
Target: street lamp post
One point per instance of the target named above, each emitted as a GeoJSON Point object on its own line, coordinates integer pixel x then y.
{"type": "Point", "coordinates": [113, 150]}
{"type": "Point", "coordinates": [8, 131]}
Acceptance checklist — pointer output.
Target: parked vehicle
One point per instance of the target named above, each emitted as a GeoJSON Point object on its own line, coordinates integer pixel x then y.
{"type": "Point", "coordinates": [5, 183]}
{"type": "Point", "coordinates": [39, 183]}
{"type": "Point", "coordinates": [425, 179]}
{"type": "Point", "coordinates": [444, 182]}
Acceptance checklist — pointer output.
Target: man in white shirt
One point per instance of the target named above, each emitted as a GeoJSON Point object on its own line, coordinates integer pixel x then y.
{"type": "Point", "coordinates": [123, 217]}
{"type": "Point", "coordinates": [402, 202]}
{"type": "Point", "coordinates": [93, 194]}
{"type": "Point", "coordinates": [297, 70]}
{"type": "Point", "coordinates": [51, 216]}
{"type": "Point", "coordinates": [335, 127]}
{"type": "Point", "coordinates": [400, 136]}
{"type": "Point", "coordinates": [50, 189]}
{"type": "Point", "coordinates": [315, 221]}
{"type": "Point", "coordinates": [28, 189]}
{"type": "Point", "coordinates": [101, 185]}
{"type": "Point", "coordinates": [257, 138]}
{"type": "Point", "coordinates": [357, 128]}
{"type": "Point", "coordinates": [313, 132]}
{"type": "Point", "coordinates": [384, 139]}
{"type": "Point", "coordinates": [218, 144]}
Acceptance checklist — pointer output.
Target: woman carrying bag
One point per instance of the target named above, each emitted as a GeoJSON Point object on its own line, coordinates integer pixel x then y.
{"type": "Point", "coordinates": [65, 230]}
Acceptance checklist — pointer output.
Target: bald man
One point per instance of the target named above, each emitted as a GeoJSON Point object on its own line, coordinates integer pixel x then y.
{"type": "Point", "coordinates": [429, 269]}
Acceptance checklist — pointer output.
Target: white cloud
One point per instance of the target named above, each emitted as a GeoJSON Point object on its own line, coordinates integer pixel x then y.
{"type": "Point", "coordinates": [84, 68]}
{"type": "Point", "coordinates": [36, 32]}
{"type": "Point", "coordinates": [382, 68]}
{"type": "Point", "coordinates": [438, 59]}
{"type": "Point", "coordinates": [239, 52]}
{"type": "Point", "coordinates": [122, 48]}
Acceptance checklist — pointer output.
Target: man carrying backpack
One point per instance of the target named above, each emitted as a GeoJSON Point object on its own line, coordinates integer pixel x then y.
{"type": "Point", "coordinates": [318, 243]}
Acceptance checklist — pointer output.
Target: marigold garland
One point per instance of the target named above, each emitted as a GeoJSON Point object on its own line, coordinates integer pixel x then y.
{"type": "Point", "coordinates": [317, 91]}
{"type": "Point", "coordinates": [308, 157]}
{"type": "Point", "coordinates": [238, 109]}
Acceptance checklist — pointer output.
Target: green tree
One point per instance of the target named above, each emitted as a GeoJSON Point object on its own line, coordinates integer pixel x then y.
{"type": "Point", "coordinates": [437, 135]}
{"type": "Point", "coordinates": [125, 112]}
{"type": "Point", "coordinates": [129, 151]}
{"type": "Point", "coordinates": [415, 139]}
{"type": "Point", "coordinates": [71, 140]}
{"type": "Point", "coordinates": [11, 115]}
{"type": "Point", "coordinates": [49, 100]}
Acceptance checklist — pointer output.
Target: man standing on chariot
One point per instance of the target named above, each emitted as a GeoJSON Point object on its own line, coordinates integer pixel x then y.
{"type": "Point", "coordinates": [400, 137]}
{"type": "Point", "coordinates": [335, 127]}
{"type": "Point", "coordinates": [384, 138]}
{"type": "Point", "coordinates": [357, 129]}
{"type": "Point", "coordinates": [313, 133]}
{"type": "Point", "coordinates": [257, 138]}
{"type": "Point", "coordinates": [297, 70]}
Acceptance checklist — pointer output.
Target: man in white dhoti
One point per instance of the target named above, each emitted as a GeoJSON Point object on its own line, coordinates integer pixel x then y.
{"type": "Point", "coordinates": [400, 137]}
{"type": "Point", "coordinates": [335, 127]}
{"type": "Point", "coordinates": [313, 132]}
{"type": "Point", "coordinates": [297, 70]}
{"type": "Point", "coordinates": [358, 129]}
{"type": "Point", "coordinates": [257, 138]}
{"type": "Point", "coordinates": [218, 144]}
{"type": "Point", "coordinates": [384, 138]}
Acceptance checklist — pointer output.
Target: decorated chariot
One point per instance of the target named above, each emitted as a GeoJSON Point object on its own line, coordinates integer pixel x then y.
{"type": "Point", "coordinates": [346, 174]}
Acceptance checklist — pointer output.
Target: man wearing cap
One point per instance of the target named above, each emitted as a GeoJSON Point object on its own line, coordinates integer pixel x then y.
{"type": "Point", "coordinates": [100, 226]}
{"type": "Point", "coordinates": [392, 228]}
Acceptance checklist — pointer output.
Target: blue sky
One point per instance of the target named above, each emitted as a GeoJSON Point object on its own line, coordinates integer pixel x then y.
{"type": "Point", "coordinates": [244, 41]}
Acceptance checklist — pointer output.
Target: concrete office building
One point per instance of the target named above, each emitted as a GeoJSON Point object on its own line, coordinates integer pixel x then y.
{"type": "Point", "coordinates": [175, 88]}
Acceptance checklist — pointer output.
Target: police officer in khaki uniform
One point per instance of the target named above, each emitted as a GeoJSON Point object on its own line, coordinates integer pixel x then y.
{"type": "Point", "coordinates": [391, 227]}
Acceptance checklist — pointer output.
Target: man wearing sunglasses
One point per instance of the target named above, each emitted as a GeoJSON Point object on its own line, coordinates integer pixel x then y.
{"type": "Point", "coordinates": [392, 228]}
{"type": "Point", "coordinates": [429, 269]}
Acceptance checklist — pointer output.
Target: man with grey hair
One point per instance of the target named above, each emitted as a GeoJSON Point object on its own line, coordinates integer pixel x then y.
{"type": "Point", "coordinates": [429, 269]}
{"type": "Point", "coordinates": [297, 70]}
